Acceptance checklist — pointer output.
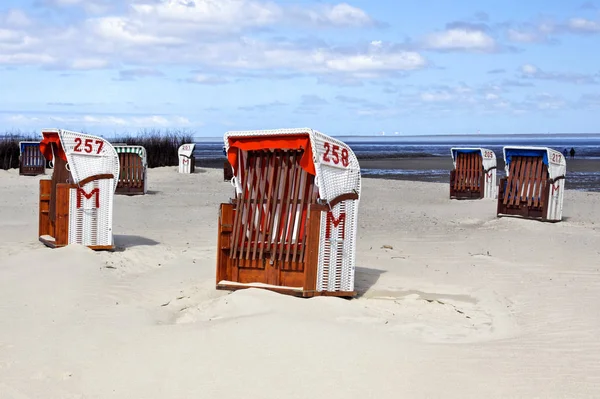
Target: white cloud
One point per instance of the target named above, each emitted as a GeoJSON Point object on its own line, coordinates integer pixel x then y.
{"type": "Point", "coordinates": [208, 34]}
{"type": "Point", "coordinates": [79, 121]}
{"type": "Point", "coordinates": [207, 79]}
{"type": "Point", "coordinates": [583, 25]}
{"type": "Point", "coordinates": [530, 71]}
{"type": "Point", "coordinates": [460, 39]}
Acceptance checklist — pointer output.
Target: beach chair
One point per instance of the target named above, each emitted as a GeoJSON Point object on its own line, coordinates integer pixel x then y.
{"type": "Point", "coordinates": [134, 167]}
{"type": "Point", "coordinates": [534, 183]}
{"type": "Point", "coordinates": [292, 226]}
{"type": "Point", "coordinates": [76, 204]}
{"type": "Point", "coordinates": [227, 171]}
{"type": "Point", "coordinates": [31, 160]}
{"type": "Point", "coordinates": [474, 173]}
{"type": "Point", "coordinates": [187, 162]}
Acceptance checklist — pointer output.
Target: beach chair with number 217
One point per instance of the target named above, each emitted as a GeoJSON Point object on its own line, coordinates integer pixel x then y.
{"type": "Point", "coordinates": [534, 185]}
{"type": "Point", "coordinates": [292, 225]}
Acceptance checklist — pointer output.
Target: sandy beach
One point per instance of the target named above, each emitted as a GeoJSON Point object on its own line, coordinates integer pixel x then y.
{"type": "Point", "coordinates": [453, 303]}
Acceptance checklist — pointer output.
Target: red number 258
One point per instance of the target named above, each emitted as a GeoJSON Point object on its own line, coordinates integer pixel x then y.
{"type": "Point", "coordinates": [335, 156]}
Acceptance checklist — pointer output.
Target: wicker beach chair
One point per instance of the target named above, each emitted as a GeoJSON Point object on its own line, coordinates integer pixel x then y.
{"type": "Point", "coordinates": [76, 204]}
{"type": "Point", "coordinates": [534, 183]}
{"type": "Point", "coordinates": [134, 167]}
{"type": "Point", "coordinates": [31, 160]}
{"type": "Point", "coordinates": [292, 226]}
{"type": "Point", "coordinates": [474, 173]}
{"type": "Point", "coordinates": [187, 162]}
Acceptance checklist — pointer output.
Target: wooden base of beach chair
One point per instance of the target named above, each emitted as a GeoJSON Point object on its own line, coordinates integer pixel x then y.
{"type": "Point", "coordinates": [50, 242]}
{"type": "Point", "coordinates": [467, 192]}
{"type": "Point", "coordinates": [294, 291]}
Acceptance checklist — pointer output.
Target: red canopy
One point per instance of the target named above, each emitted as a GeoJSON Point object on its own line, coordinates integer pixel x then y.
{"type": "Point", "coordinates": [280, 142]}
{"type": "Point", "coordinates": [46, 146]}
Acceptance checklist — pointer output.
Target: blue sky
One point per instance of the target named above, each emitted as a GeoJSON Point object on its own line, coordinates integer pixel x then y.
{"type": "Point", "coordinates": [356, 67]}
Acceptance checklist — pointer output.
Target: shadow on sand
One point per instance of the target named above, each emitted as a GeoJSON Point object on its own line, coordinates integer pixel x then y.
{"type": "Point", "coordinates": [122, 242]}
{"type": "Point", "coordinates": [365, 278]}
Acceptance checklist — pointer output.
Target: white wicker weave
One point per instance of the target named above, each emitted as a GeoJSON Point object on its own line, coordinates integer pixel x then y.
{"type": "Point", "coordinates": [90, 205]}
{"type": "Point", "coordinates": [337, 173]}
{"type": "Point", "coordinates": [185, 152]}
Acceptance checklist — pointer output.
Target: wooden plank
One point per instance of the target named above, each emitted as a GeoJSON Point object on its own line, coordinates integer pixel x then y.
{"type": "Point", "coordinates": [62, 214]}
{"type": "Point", "coordinates": [531, 188]}
{"type": "Point", "coordinates": [288, 200]}
{"type": "Point", "coordinates": [312, 249]}
{"type": "Point", "coordinates": [273, 200]}
{"type": "Point", "coordinates": [293, 212]}
{"type": "Point", "coordinates": [302, 222]}
{"type": "Point", "coordinates": [515, 180]}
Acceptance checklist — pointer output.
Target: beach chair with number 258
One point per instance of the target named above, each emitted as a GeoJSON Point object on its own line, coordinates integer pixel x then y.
{"type": "Point", "coordinates": [76, 204]}
{"type": "Point", "coordinates": [534, 185]}
{"type": "Point", "coordinates": [292, 225]}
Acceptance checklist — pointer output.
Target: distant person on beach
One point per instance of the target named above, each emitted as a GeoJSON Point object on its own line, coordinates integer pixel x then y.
{"type": "Point", "coordinates": [565, 152]}
{"type": "Point", "coordinates": [572, 152]}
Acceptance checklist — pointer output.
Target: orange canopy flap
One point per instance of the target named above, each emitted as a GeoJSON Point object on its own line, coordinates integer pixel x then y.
{"type": "Point", "coordinates": [281, 142]}
{"type": "Point", "coordinates": [46, 146]}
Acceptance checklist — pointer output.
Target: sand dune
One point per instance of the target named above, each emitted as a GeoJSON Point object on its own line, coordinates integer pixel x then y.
{"type": "Point", "coordinates": [453, 302]}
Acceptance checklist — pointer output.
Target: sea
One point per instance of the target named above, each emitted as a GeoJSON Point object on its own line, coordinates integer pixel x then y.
{"type": "Point", "coordinates": [209, 151]}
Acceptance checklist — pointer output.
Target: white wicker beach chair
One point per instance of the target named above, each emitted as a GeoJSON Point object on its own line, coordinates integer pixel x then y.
{"type": "Point", "coordinates": [76, 205]}
{"type": "Point", "coordinates": [187, 162]}
{"type": "Point", "coordinates": [534, 184]}
{"type": "Point", "coordinates": [474, 173]}
{"type": "Point", "coordinates": [292, 227]}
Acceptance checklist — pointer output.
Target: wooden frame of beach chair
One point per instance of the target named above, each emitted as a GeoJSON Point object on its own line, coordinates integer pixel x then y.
{"type": "Point", "coordinates": [474, 173]}
{"type": "Point", "coordinates": [76, 204]}
{"type": "Point", "coordinates": [292, 226]}
{"type": "Point", "coordinates": [134, 170]}
{"type": "Point", "coordinates": [534, 183]}
{"type": "Point", "coordinates": [187, 162]}
{"type": "Point", "coordinates": [31, 160]}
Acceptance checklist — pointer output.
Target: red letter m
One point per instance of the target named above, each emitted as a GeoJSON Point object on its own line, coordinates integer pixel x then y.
{"type": "Point", "coordinates": [81, 192]}
{"type": "Point", "coordinates": [331, 220]}
{"type": "Point", "coordinates": [555, 188]}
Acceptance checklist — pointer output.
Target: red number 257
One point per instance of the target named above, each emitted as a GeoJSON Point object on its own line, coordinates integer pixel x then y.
{"type": "Point", "coordinates": [332, 155]}
{"type": "Point", "coordinates": [87, 145]}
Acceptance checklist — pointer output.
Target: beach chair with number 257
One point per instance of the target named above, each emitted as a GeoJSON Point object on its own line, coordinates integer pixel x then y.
{"type": "Point", "coordinates": [534, 185]}
{"type": "Point", "coordinates": [474, 173]}
{"type": "Point", "coordinates": [291, 227]}
{"type": "Point", "coordinates": [76, 204]}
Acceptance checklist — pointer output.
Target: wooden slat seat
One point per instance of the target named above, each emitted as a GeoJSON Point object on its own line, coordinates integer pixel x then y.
{"type": "Point", "coordinates": [467, 179]}
{"type": "Point", "coordinates": [524, 191]}
{"type": "Point", "coordinates": [132, 174]}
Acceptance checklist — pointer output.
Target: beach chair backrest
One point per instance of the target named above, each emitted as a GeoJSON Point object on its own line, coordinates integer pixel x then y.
{"type": "Point", "coordinates": [469, 170]}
